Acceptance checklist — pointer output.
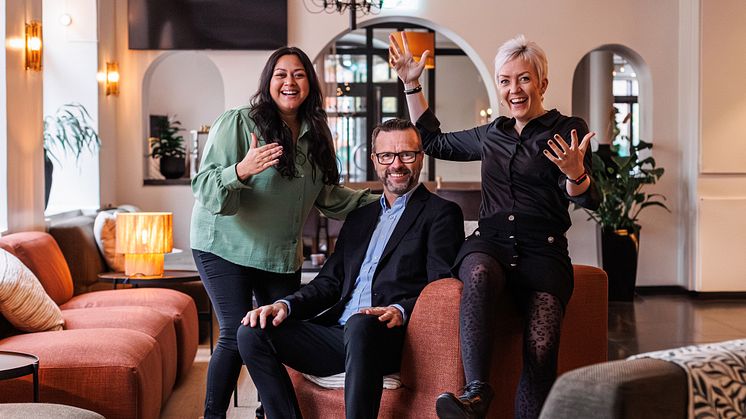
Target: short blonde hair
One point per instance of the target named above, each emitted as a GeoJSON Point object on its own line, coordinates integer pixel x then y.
{"type": "Point", "coordinates": [520, 47]}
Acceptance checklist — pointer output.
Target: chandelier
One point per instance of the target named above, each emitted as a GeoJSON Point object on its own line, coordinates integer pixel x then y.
{"type": "Point", "coordinates": [341, 6]}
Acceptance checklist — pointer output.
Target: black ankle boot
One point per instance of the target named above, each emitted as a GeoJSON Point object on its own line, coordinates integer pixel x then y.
{"type": "Point", "coordinates": [473, 402]}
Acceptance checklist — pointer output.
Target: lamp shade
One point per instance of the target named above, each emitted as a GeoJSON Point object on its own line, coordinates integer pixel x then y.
{"type": "Point", "coordinates": [144, 237]}
{"type": "Point", "coordinates": [420, 42]}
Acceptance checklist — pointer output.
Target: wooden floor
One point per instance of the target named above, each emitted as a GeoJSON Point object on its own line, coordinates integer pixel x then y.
{"type": "Point", "coordinates": [658, 322]}
{"type": "Point", "coordinates": [650, 323]}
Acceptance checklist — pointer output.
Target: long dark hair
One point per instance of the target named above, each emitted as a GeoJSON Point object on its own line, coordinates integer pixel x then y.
{"type": "Point", "coordinates": [267, 117]}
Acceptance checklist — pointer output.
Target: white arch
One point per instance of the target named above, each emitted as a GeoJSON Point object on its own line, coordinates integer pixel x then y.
{"type": "Point", "coordinates": [644, 80]}
{"type": "Point", "coordinates": [484, 71]}
{"type": "Point", "coordinates": [205, 95]}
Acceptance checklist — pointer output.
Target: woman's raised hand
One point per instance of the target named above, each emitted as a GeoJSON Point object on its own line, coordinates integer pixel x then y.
{"type": "Point", "coordinates": [258, 159]}
{"type": "Point", "coordinates": [569, 158]}
{"type": "Point", "coordinates": [403, 62]}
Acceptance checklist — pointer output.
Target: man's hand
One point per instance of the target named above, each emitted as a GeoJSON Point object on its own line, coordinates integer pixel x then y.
{"type": "Point", "coordinates": [389, 315]}
{"type": "Point", "coordinates": [278, 311]}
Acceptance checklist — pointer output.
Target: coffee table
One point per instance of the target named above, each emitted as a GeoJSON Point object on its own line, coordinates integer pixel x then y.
{"type": "Point", "coordinates": [18, 364]}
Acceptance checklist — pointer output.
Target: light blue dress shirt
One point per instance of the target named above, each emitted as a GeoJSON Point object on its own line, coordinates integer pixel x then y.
{"type": "Point", "coordinates": [361, 295]}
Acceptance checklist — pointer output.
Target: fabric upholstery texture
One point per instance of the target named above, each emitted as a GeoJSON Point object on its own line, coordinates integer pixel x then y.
{"type": "Point", "coordinates": [142, 319]}
{"type": "Point", "coordinates": [104, 232]}
{"type": "Point", "coordinates": [118, 377]}
{"type": "Point", "coordinates": [45, 411]}
{"type": "Point", "coordinates": [23, 301]}
{"type": "Point", "coordinates": [178, 306]}
{"type": "Point", "coordinates": [41, 254]}
{"type": "Point", "coordinates": [639, 389]}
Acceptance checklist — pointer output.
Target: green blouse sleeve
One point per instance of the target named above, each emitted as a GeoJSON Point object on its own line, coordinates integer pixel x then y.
{"type": "Point", "coordinates": [216, 186]}
{"type": "Point", "coordinates": [336, 201]}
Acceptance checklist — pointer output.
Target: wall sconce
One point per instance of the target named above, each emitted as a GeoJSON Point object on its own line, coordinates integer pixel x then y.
{"type": "Point", "coordinates": [419, 42]}
{"type": "Point", "coordinates": [144, 237]}
{"type": "Point", "coordinates": [112, 79]}
{"type": "Point", "coordinates": [33, 45]}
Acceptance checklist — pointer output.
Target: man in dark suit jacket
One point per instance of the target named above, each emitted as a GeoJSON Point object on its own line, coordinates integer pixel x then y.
{"type": "Point", "coordinates": [351, 318]}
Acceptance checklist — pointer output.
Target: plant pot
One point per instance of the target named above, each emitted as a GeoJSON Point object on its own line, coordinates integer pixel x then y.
{"type": "Point", "coordinates": [173, 167]}
{"type": "Point", "coordinates": [619, 249]}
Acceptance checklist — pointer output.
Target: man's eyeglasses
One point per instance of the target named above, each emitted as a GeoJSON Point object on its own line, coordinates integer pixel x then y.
{"type": "Point", "coordinates": [404, 156]}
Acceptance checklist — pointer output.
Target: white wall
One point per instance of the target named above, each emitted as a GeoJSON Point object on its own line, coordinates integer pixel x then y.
{"type": "Point", "coordinates": [3, 132]}
{"type": "Point", "coordinates": [24, 129]}
{"type": "Point", "coordinates": [458, 101]}
{"type": "Point", "coordinates": [721, 188]}
{"type": "Point", "coordinates": [567, 31]}
{"type": "Point", "coordinates": [70, 67]}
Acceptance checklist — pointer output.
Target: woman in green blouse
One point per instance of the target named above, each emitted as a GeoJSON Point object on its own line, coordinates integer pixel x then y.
{"type": "Point", "coordinates": [264, 166]}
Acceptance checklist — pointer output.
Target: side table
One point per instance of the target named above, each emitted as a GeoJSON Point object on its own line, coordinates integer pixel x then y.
{"type": "Point", "coordinates": [169, 277]}
{"type": "Point", "coordinates": [18, 364]}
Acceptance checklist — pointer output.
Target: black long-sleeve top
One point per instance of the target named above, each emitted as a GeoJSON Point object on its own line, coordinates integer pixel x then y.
{"type": "Point", "coordinates": [516, 176]}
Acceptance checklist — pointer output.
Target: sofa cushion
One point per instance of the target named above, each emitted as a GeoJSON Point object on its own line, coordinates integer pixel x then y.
{"type": "Point", "coordinates": [41, 254]}
{"type": "Point", "coordinates": [75, 238]}
{"type": "Point", "coordinates": [45, 411]}
{"type": "Point", "coordinates": [142, 319]}
{"type": "Point", "coordinates": [179, 306]}
{"type": "Point", "coordinates": [104, 232]}
{"type": "Point", "coordinates": [23, 301]}
{"type": "Point", "coordinates": [115, 372]}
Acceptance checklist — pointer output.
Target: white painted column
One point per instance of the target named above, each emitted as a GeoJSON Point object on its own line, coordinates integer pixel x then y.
{"type": "Point", "coordinates": [601, 94]}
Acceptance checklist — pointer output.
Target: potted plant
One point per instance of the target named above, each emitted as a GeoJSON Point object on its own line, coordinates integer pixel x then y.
{"type": "Point", "coordinates": [69, 130]}
{"type": "Point", "coordinates": [620, 181]}
{"type": "Point", "coordinates": [168, 147]}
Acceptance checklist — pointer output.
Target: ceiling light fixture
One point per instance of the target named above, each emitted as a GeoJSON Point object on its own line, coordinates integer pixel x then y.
{"type": "Point", "coordinates": [341, 6]}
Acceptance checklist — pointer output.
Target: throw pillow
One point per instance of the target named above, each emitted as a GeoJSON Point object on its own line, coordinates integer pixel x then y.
{"type": "Point", "coordinates": [23, 300]}
{"type": "Point", "coordinates": [104, 232]}
{"type": "Point", "coordinates": [390, 382]}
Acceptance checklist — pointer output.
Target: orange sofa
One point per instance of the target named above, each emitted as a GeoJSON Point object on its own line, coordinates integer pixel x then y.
{"type": "Point", "coordinates": [121, 351]}
{"type": "Point", "coordinates": [431, 362]}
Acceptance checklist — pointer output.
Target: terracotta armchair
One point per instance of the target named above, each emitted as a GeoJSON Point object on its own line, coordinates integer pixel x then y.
{"type": "Point", "coordinates": [431, 363]}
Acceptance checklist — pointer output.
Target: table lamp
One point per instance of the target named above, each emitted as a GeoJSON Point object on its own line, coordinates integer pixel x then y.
{"type": "Point", "coordinates": [419, 42]}
{"type": "Point", "coordinates": [144, 237]}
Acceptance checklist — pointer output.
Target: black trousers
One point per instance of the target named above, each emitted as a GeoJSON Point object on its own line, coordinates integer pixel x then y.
{"type": "Point", "coordinates": [231, 288]}
{"type": "Point", "coordinates": [365, 349]}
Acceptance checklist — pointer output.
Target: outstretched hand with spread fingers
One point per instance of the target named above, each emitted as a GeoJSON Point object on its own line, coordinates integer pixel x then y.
{"type": "Point", "coordinates": [403, 62]}
{"type": "Point", "coordinates": [569, 158]}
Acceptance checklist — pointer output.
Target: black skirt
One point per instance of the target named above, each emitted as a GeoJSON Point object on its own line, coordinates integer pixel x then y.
{"type": "Point", "coordinates": [534, 257]}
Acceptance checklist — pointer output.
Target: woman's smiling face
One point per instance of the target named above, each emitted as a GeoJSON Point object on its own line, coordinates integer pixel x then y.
{"type": "Point", "coordinates": [521, 90]}
{"type": "Point", "coordinates": [289, 85]}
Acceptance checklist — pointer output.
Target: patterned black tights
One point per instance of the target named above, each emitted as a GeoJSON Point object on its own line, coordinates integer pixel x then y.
{"type": "Point", "coordinates": [484, 280]}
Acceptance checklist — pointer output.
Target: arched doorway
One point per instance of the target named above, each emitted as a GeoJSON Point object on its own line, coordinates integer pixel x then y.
{"type": "Point", "coordinates": [362, 90]}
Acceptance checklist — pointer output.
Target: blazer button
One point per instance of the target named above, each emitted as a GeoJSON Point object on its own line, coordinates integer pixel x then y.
{"type": "Point", "coordinates": [511, 217]}
{"type": "Point", "coordinates": [550, 239]}
{"type": "Point", "coordinates": [477, 233]}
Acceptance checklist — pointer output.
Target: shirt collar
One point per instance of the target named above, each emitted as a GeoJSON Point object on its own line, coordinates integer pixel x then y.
{"type": "Point", "coordinates": [400, 201]}
{"type": "Point", "coordinates": [548, 119]}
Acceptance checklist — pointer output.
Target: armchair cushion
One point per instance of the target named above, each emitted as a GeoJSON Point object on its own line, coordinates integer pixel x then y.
{"type": "Point", "coordinates": [23, 301]}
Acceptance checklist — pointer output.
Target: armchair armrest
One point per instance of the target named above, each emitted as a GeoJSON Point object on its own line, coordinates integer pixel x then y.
{"type": "Point", "coordinates": [431, 358]}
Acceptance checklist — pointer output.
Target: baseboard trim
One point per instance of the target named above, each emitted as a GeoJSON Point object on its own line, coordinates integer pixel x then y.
{"type": "Point", "coordinates": [679, 290]}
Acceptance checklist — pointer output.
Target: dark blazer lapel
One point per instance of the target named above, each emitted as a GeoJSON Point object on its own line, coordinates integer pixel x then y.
{"type": "Point", "coordinates": [414, 207]}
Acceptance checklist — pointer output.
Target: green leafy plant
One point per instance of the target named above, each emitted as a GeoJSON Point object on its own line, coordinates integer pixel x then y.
{"type": "Point", "coordinates": [70, 130]}
{"type": "Point", "coordinates": [620, 181]}
{"type": "Point", "coordinates": [168, 143]}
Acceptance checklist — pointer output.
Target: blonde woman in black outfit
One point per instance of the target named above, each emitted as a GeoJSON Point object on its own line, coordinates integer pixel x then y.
{"type": "Point", "coordinates": [534, 164]}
